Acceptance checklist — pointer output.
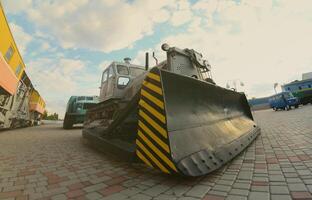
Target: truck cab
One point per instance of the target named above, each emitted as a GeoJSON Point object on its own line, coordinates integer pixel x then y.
{"type": "Point", "coordinates": [283, 101]}
{"type": "Point", "coordinates": [76, 109]}
{"type": "Point", "coordinates": [116, 77]}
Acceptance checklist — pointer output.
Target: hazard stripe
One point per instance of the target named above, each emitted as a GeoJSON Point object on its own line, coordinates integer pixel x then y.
{"type": "Point", "coordinates": [142, 157]}
{"type": "Point", "coordinates": [153, 111]}
{"type": "Point", "coordinates": [154, 137]}
{"type": "Point", "coordinates": [152, 87]}
{"type": "Point", "coordinates": [157, 127]}
{"type": "Point", "coordinates": [153, 99]}
{"type": "Point", "coordinates": [152, 157]}
{"type": "Point", "coordinates": [156, 150]}
{"type": "Point", "coordinates": [153, 76]}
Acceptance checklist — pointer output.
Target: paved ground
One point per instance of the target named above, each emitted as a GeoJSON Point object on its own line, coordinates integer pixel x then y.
{"type": "Point", "coordinates": [50, 163]}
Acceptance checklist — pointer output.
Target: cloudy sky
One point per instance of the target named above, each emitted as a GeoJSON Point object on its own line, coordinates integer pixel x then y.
{"type": "Point", "coordinates": [67, 44]}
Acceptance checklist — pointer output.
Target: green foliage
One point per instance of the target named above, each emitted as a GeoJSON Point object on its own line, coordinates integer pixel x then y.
{"type": "Point", "coordinates": [53, 116]}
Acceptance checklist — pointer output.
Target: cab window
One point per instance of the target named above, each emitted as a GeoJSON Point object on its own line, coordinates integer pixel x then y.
{"type": "Point", "coordinates": [104, 77]}
{"type": "Point", "coordinates": [111, 72]}
{"type": "Point", "coordinates": [122, 70]}
{"type": "Point", "coordinates": [136, 71]}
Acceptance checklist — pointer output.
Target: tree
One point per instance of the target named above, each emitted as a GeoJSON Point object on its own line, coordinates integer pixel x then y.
{"type": "Point", "coordinates": [53, 116]}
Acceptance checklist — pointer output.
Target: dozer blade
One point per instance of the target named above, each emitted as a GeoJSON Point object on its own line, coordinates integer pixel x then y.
{"type": "Point", "coordinates": [190, 127]}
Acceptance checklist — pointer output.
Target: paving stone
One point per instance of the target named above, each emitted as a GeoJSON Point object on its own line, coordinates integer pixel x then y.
{"type": "Point", "coordinates": [48, 162]}
{"type": "Point", "coordinates": [235, 197]}
{"type": "Point", "coordinates": [280, 197]}
{"type": "Point", "coordinates": [279, 190]}
{"type": "Point", "coordinates": [297, 187]}
{"type": "Point", "coordinates": [214, 197]}
{"type": "Point", "coordinates": [140, 197]}
{"type": "Point", "coordinates": [258, 196]}
{"type": "Point", "coordinates": [239, 192]}
{"type": "Point", "coordinates": [276, 178]}
{"type": "Point", "coordinates": [259, 188]}
{"type": "Point", "coordinates": [165, 197]}
{"type": "Point", "coordinates": [130, 191]}
{"type": "Point", "coordinates": [187, 198]}
{"type": "Point", "coordinates": [245, 175]}
{"type": "Point", "coordinates": [59, 197]}
{"type": "Point", "coordinates": [178, 190]}
{"type": "Point", "coordinates": [198, 191]}
{"type": "Point", "coordinates": [301, 195]}
{"type": "Point", "coordinates": [222, 188]}
{"type": "Point", "coordinates": [95, 187]}
{"type": "Point", "coordinates": [154, 191]}
{"type": "Point", "coordinates": [241, 185]}
{"type": "Point", "coordinates": [93, 195]}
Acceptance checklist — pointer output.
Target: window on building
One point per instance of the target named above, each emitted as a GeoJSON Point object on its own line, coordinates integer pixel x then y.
{"type": "Point", "coordinates": [288, 88]}
{"type": "Point", "coordinates": [309, 86]}
{"type": "Point", "coordinates": [9, 54]}
{"type": "Point", "coordinates": [18, 70]}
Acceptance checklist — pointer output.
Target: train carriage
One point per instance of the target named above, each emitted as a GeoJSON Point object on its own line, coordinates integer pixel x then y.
{"type": "Point", "coordinates": [17, 108]}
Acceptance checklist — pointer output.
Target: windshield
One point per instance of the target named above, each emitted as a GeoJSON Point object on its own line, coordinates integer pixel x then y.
{"type": "Point", "coordinates": [122, 70]}
{"type": "Point", "coordinates": [136, 71]}
{"type": "Point", "coordinates": [80, 98]}
{"type": "Point", "coordinates": [288, 95]}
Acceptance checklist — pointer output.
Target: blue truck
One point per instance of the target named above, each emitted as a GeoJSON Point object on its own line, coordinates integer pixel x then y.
{"type": "Point", "coordinates": [283, 101]}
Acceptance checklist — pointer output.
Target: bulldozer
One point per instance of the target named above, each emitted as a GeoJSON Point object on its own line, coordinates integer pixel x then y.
{"type": "Point", "coordinates": [172, 117]}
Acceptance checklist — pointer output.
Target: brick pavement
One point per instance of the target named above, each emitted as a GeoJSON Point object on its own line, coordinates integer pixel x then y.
{"type": "Point", "coordinates": [48, 162]}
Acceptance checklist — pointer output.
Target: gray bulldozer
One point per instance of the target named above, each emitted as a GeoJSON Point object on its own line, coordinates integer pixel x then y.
{"type": "Point", "coordinates": [172, 117]}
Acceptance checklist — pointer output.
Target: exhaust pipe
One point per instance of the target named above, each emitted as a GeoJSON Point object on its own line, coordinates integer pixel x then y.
{"type": "Point", "coordinates": [156, 60]}
{"type": "Point", "coordinates": [146, 61]}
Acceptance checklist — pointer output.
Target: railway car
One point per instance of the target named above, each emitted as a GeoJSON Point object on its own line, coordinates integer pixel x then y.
{"type": "Point", "coordinates": [36, 107]}
{"type": "Point", "coordinates": [16, 89]}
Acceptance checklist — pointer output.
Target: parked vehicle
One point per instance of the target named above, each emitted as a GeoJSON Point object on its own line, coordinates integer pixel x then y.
{"type": "Point", "coordinates": [172, 117]}
{"type": "Point", "coordinates": [76, 109]}
{"type": "Point", "coordinates": [20, 103]}
{"type": "Point", "coordinates": [283, 101]}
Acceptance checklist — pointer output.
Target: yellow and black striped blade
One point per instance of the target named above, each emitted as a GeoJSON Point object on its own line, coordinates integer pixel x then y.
{"type": "Point", "coordinates": [152, 141]}
{"type": "Point", "coordinates": [188, 126]}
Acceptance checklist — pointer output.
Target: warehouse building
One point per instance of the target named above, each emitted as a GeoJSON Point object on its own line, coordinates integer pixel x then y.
{"type": "Point", "coordinates": [301, 89]}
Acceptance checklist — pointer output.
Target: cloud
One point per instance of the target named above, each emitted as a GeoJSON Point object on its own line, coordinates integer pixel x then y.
{"type": "Point", "coordinates": [100, 25]}
{"type": "Point", "coordinates": [182, 13]}
{"type": "Point", "coordinates": [22, 38]}
{"type": "Point", "coordinates": [15, 6]}
{"type": "Point", "coordinates": [263, 44]}
{"type": "Point", "coordinates": [103, 65]}
{"type": "Point", "coordinates": [59, 78]}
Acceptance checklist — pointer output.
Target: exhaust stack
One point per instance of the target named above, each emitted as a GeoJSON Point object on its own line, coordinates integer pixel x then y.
{"type": "Point", "coordinates": [146, 61]}
{"type": "Point", "coordinates": [127, 60]}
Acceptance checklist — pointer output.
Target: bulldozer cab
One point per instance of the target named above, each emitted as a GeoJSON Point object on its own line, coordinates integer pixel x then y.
{"type": "Point", "coordinates": [116, 78]}
{"type": "Point", "coordinates": [187, 62]}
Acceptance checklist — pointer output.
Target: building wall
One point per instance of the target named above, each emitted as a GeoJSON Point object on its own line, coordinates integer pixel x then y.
{"type": "Point", "coordinates": [306, 76]}
{"type": "Point", "coordinates": [8, 47]}
{"type": "Point", "coordinates": [297, 85]}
